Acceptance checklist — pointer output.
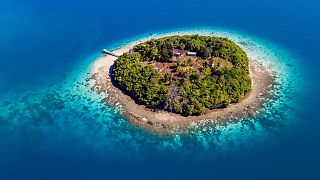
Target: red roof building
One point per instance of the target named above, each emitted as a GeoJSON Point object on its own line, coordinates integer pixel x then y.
{"type": "Point", "coordinates": [177, 52]}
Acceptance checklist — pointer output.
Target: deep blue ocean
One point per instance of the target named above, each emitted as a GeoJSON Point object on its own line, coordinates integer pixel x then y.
{"type": "Point", "coordinates": [52, 127]}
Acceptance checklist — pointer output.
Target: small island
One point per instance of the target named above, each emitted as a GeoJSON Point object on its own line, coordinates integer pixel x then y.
{"type": "Point", "coordinates": [177, 82]}
{"type": "Point", "coordinates": [188, 75]}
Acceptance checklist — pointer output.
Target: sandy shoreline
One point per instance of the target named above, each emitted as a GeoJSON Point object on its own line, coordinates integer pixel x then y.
{"type": "Point", "coordinates": [165, 122]}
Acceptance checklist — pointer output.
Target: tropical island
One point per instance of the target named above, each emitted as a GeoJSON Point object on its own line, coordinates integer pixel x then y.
{"type": "Point", "coordinates": [188, 75]}
{"type": "Point", "coordinates": [180, 81]}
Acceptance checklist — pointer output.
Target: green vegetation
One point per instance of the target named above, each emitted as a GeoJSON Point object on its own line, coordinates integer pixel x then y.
{"type": "Point", "coordinates": [188, 85]}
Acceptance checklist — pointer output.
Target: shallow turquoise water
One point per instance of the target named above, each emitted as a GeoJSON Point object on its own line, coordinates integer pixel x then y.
{"type": "Point", "coordinates": [52, 126]}
{"type": "Point", "coordinates": [71, 107]}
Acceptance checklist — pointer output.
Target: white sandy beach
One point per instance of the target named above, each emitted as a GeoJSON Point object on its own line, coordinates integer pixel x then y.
{"type": "Point", "coordinates": [166, 122]}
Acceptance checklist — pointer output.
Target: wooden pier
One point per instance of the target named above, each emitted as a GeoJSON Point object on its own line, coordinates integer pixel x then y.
{"type": "Point", "coordinates": [106, 52]}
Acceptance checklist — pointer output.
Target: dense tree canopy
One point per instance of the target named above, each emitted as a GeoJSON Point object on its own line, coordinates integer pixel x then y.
{"type": "Point", "coordinates": [153, 76]}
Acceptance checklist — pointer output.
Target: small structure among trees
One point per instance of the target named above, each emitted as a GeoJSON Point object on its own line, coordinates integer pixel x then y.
{"type": "Point", "coordinates": [210, 62]}
{"type": "Point", "coordinates": [177, 52]}
{"type": "Point", "coordinates": [192, 53]}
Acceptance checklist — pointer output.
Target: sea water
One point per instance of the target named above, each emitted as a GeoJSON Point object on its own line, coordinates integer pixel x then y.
{"type": "Point", "coordinates": [52, 126]}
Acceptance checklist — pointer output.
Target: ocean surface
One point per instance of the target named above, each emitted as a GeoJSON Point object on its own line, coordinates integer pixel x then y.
{"type": "Point", "coordinates": [52, 126]}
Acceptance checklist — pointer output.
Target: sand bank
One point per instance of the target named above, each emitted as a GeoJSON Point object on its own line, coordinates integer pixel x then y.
{"type": "Point", "coordinates": [166, 122]}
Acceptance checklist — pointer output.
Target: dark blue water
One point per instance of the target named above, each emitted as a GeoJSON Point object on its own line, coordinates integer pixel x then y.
{"type": "Point", "coordinates": [50, 131]}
